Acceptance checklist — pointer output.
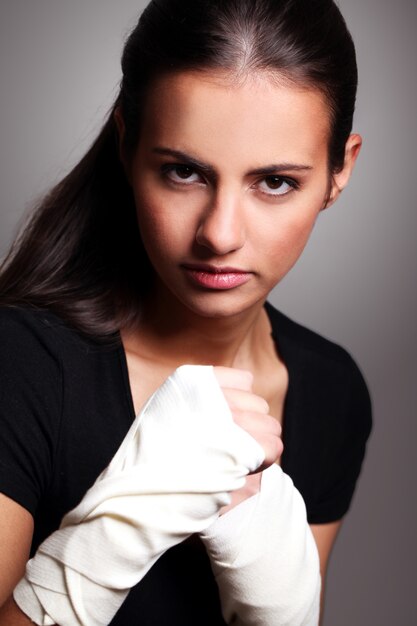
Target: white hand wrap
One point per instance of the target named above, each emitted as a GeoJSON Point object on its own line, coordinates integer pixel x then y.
{"type": "Point", "coordinates": [265, 559]}
{"type": "Point", "coordinates": [168, 480]}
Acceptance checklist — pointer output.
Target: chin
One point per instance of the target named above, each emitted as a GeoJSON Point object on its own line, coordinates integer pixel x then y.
{"type": "Point", "coordinates": [211, 304]}
{"type": "Point", "coordinates": [223, 307]}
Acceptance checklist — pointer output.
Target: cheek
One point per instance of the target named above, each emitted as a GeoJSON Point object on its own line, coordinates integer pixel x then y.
{"type": "Point", "coordinates": [163, 225]}
{"type": "Point", "coordinates": [148, 216]}
{"type": "Point", "coordinates": [286, 238]}
{"type": "Point", "coordinates": [153, 231]}
{"type": "Point", "coordinates": [166, 218]}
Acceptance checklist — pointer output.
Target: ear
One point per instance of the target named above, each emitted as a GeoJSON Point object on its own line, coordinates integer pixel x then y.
{"type": "Point", "coordinates": [341, 178]}
{"type": "Point", "coordinates": [121, 131]}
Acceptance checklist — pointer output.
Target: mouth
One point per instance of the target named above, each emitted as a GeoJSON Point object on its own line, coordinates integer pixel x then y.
{"type": "Point", "coordinates": [216, 277]}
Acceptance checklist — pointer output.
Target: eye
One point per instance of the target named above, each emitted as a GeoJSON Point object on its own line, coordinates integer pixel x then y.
{"type": "Point", "coordinates": [181, 174]}
{"type": "Point", "coordinates": [277, 185]}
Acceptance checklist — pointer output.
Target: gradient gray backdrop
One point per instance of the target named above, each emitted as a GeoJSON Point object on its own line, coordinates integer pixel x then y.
{"type": "Point", "coordinates": [356, 283]}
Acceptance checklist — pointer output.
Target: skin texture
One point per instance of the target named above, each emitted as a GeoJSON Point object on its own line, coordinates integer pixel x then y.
{"type": "Point", "coordinates": [325, 536]}
{"type": "Point", "coordinates": [230, 215]}
{"type": "Point", "coordinates": [225, 212]}
{"type": "Point", "coordinates": [16, 529]}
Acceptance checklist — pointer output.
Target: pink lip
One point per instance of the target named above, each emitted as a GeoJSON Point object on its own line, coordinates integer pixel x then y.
{"type": "Point", "coordinates": [212, 277]}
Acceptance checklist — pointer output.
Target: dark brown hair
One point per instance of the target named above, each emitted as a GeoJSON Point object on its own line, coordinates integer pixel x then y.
{"type": "Point", "coordinates": [80, 254]}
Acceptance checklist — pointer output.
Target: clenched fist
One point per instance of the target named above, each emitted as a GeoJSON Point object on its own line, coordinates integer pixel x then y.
{"type": "Point", "coordinates": [250, 412]}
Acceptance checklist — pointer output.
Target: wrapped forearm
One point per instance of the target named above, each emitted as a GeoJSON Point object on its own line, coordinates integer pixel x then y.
{"type": "Point", "coordinates": [265, 559]}
{"type": "Point", "coordinates": [168, 480]}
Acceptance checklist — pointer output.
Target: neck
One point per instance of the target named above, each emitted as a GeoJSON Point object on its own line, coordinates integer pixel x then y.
{"type": "Point", "coordinates": [184, 337]}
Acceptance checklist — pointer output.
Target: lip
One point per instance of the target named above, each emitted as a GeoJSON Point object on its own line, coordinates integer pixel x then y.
{"type": "Point", "coordinates": [216, 277]}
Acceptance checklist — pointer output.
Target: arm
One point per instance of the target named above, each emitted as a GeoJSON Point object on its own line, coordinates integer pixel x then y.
{"type": "Point", "coordinates": [16, 529]}
{"type": "Point", "coordinates": [126, 521]}
{"type": "Point", "coordinates": [325, 536]}
{"type": "Point", "coordinates": [29, 410]}
{"type": "Point", "coordinates": [11, 615]}
{"type": "Point", "coordinates": [337, 483]}
{"type": "Point", "coordinates": [265, 559]}
{"type": "Point", "coordinates": [262, 550]}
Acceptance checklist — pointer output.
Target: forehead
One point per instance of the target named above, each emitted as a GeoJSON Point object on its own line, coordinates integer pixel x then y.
{"type": "Point", "coordinates": [254, 120]}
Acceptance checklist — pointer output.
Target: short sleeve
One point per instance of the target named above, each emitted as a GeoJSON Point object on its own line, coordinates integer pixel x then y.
{"type": "Point", "coordinates": [344, 449]}
{"type": "Point", "coordinates": [30, 406]}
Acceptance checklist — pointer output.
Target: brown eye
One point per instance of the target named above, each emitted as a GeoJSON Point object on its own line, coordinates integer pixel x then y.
{"type": "Point", "coordinates": [277, 186]}
{"type": "Point", "coordinates": [181, 174]}
{"type": "Point", "coordinates": [183, 171]}
{"type": "Point", "coordinates": [274, 182]}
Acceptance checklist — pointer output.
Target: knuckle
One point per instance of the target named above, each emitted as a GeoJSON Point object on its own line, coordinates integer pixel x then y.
{"type": "Point", "coordinates": [263, 406]}
{"type": "Point", "coordinates": [273, 425]}
{"type": "Point", "coordinates": [278, 428]}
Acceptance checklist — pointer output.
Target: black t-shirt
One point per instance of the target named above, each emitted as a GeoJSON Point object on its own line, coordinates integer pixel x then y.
{"type": "Point", "coordinates": [66, 405]}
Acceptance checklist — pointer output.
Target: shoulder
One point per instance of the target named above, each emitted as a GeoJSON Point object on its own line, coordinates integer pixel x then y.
{"type": "Point", "coordinates": [304, 340]}
{"type": "Point", "coordinates": [35, 334]}
{"type": "Point", "coordinates": [37, 322]}
{"type": "Point", "coordinates": [27, 345]}
{"type": "Point", "coordinates": [328, 418]}
{"type": "Point", "coordinates": [39, 359]}
{"type": "Point", "coordinates": [19, 326]}
{"type": "Point", "coordinates": [42, 358]}
{"type": "Point", "coordinates": [328, 367]}
{"type": "Point", "coordinates": [59, 392]}
{"type": "Point", "coordinates": [30, 403]}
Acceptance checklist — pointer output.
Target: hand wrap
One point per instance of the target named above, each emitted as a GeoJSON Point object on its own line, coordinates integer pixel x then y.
{"type": "Point", "coordinates": [168, 480]}
{"type": "Point", "coordinates": [265, 559]}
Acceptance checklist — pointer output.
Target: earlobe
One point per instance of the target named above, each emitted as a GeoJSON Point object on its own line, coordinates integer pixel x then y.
{"type": "Point", "coordinates": [339, 180]}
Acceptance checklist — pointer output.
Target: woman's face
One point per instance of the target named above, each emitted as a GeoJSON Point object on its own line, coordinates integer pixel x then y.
{"type": "Point", "coordinates": [228, 181]}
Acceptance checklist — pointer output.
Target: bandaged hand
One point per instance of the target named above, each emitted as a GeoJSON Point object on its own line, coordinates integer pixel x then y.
{"type": "Point", "coordinates": [261, 549]}
{"type": "Point", "coordinates": [140, 506]}
{"type": "Point", "coordinates": [250, 412]}
{"type": "Point", "coordinates": [265, 559]}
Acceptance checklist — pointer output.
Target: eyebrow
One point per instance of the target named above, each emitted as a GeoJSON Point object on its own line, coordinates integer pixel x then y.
{"type": "Point", "coordinates": [280, 167]}
{"type": "Point", "coordinates": [268, 170]}
{"type": "Point", "coordinates": [182, 156]}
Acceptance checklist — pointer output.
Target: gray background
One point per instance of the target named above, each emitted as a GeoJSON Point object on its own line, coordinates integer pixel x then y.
{"type": "Point", "coordinates": [59, 68]}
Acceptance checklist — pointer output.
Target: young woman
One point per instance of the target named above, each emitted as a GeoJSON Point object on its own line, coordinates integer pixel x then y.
{"type": "Point", "coordinates": [230, 135]}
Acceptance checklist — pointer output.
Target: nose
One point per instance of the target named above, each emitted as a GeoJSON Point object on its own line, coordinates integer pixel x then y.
{"type": "Point", "coordinates": [221, 228]}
